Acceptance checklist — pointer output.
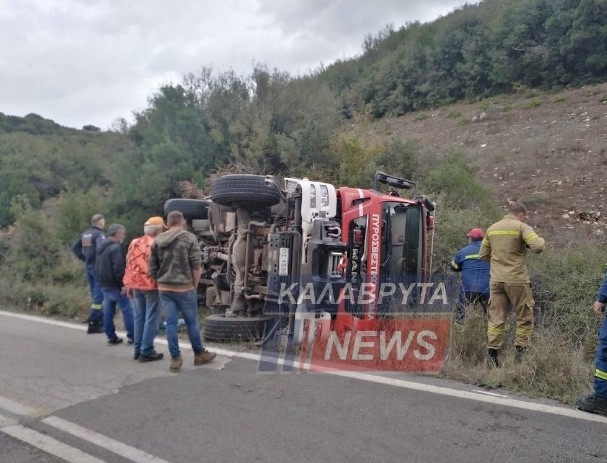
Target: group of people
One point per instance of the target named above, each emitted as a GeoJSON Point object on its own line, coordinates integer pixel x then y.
{"type": "Point", "coordinates": [160, 272]}
{"type": "Point", "coordinates": [495, 276]}
{"type": "Point", "coordinates": [163, 267]}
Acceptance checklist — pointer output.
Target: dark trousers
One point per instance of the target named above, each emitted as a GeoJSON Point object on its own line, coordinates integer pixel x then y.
{"type": "Point", "coordinates": [470, 298]}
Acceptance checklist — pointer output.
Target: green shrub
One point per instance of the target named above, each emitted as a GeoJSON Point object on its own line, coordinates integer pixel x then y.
{"type": "Point", "coordinates": [565, 284]}
{"type": "Point", "coordinates": [461, 121]}
{"type": "Point", "coordinates": [454, 179]}
{"type": "Point", "coordinates": [535, 199]}
{"type": "Point", "coordinates": [533, 103]}
{"type": "Point", "coordinates": [560, 98]}
{"type": "Point", "coordinates": [451, 228]}
{"type": "Point", "coordinates": [400, 158]}
{"type": "Point", "coordinates": [40, 298]}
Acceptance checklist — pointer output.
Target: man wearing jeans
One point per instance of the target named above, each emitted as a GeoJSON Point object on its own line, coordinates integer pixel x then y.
{"type": "Point", "coordinates": [175, 264]}
{"type": "Point", "coordinates": [85, 249]}
{"type": "Point", "coordinates": [109, 266]}
{"type": "Point", "coordinates": [143, 291]}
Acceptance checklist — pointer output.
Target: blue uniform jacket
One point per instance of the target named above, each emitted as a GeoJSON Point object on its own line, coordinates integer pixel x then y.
{"type": "Point", "coordinates": [475, 272]}
{"type": "Point", "coordinates": [85, 248]}
{"type": "Point", "coordinates": [602, 296]}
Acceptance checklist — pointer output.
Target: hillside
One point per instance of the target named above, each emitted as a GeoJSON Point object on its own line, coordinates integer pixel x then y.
{"type": "Point", "coordinates": [545, 149]}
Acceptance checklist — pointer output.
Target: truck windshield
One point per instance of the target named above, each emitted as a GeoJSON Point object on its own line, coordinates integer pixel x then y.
{"type": "Point", "coordinates": [402, 241]}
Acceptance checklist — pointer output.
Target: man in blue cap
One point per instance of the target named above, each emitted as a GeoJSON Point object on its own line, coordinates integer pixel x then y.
{"type": "Point", "coordinates": [475, 274]}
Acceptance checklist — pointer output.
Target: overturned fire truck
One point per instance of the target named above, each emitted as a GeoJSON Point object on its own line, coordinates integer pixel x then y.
{"type": "Point", "coordinates": [273, 252]}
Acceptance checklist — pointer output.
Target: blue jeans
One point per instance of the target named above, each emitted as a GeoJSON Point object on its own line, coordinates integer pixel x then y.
{"type": "Point", "coordinates": [185, 302]}
{"type": "Point", "coordinates": [111, 298]}
{"type": "Point", "coordinates": [96, 312]}
{"type": "Point", "coordinates": [600, 374]}
{"type": "Point", "coordinates": [147, 316]}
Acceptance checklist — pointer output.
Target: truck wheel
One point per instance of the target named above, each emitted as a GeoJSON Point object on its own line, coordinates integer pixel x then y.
{"type": "Point", "coordinates": [218, 328]}
{"type": "Point", "coordinates": [244, 190]}
{"type": "Point", "coordinates": [192, 209]}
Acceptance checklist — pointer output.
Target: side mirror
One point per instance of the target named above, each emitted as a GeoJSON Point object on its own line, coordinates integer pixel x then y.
{"type": "Point", "coordinates": [429, 205]}
{"type": "Point", "coordinates": [395, 182]}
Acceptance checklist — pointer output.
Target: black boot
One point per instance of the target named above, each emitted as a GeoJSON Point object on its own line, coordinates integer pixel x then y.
{"type": "Point", "coordinates": [95, 327]}
{"type": "Point", "coordinates": [593, 404]}
{"type": "Point", "coordinates": [494, 360]}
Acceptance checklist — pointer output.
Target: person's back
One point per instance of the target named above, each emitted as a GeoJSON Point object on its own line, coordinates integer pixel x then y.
{"type": "Point", "coordinates": [136, 273]}
{"type": "Point", "coordinates": [475, 275]}
{"type": "Point", "coordinates": [475, 271]}
{"type": "Point", "coordinates": [85, 249]}
{"type": "Point", "coordinates": [110, 264]}
{"type": "Point", "coordinates": [505, 247]}
{"type": "Point", "coordinates": [175, 263]}
{"type": "Point", "coordinates": [175, 253]}
{"type": "Point", "coordinates": [143, 291]}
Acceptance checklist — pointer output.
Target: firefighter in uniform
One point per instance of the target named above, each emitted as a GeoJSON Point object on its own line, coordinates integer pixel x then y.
{"type": "Point", "coordinates": [85, 249]}
{"type": "Point", "coordinates": [597, 401]}
{"type": "Point", "coordinates": [505, 248]}
{"type": "Point", "coordinates": [475, 274]}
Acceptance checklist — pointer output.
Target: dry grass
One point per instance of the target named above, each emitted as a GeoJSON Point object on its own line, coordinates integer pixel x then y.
{"type": "Point", "coordinates": [550, 368]}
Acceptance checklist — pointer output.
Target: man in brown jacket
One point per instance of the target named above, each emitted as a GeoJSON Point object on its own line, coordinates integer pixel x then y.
{"type": "Point", "coordinates": [175, 264]}
{"type": "Point", "coordinates": [505, 248]}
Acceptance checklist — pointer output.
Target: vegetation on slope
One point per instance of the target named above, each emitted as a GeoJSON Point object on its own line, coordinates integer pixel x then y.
{"type": "Point", "coordinates": [328, 126]}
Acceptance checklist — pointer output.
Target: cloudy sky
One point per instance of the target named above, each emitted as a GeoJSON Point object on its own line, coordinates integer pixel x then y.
{"type": "Point", "coordinates": [92, 61]}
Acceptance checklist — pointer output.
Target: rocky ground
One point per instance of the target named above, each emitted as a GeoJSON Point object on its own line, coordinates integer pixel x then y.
{"type": "Point", "coordinates": [545, 149]}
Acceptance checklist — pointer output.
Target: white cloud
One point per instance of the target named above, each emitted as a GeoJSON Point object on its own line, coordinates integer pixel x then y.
{"type": "Point", "coordinates": [81, 62]}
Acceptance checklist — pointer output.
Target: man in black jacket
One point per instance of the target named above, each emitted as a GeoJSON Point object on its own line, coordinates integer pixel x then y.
{"type": "Point", "coordinates": [85, 249]}
{"type": "Point", "coordinates": [109, 267]}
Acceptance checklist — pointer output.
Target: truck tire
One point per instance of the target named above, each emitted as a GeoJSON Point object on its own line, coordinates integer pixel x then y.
{"type": "Point", "coordinates": [218, 328]}
{"type": "Point", "coordinates": [192, 209]}
{"type": "Point", "coordinates": [244, 190]}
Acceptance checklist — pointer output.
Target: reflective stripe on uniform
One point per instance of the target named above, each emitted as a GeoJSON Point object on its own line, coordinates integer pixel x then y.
{"type": "Point", "coordinates": [530, 237]}
{"type": "Point", "coordinates": [524, 331]}
{"type": "Point", "coordinates": [96, 306]}
{"type": "Point", "coordinates": [503, 232]}
{"type": "Point", "coordinates": [472, 256]}
{"type": "Point", "coordinates": [493, 330]}
{"type": "Point", "coordinates": [600, 374]}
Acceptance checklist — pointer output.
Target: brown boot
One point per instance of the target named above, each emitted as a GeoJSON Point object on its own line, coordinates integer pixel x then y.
{"type": "Point", "coordinates": [204, 356]}
{"type": "Point", "coordinates": [176, 364]}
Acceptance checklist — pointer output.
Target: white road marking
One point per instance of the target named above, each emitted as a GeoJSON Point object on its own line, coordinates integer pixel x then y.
{"type": "Point", "coordinates": [6, 421]}
{"type": "Point", "coordinates": [490, 393]}
{"type": "Point", "coordinates": [16, 408]}
{"type": "Point", "coordinates": [405, 384]}
{"type": "Point", "coordinates": [49, 445]}
{"type": "Point", "coordinates": [35, 318]}
{"type": "Point", "coordinates": [125, 451]}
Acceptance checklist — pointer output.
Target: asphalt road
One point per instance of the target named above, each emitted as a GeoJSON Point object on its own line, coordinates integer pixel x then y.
{"type": "Point", "coordinates": [66, 396]}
